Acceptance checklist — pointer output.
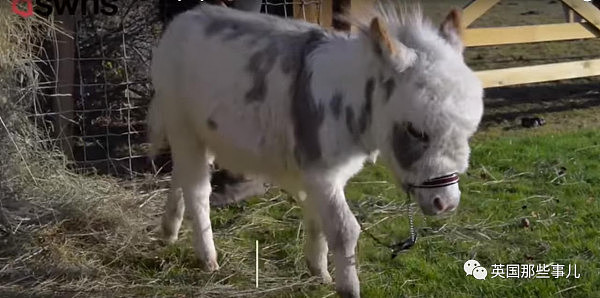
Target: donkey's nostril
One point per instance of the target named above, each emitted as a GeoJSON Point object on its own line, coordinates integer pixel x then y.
{"type": "Point", "coordinates": [437, 202]}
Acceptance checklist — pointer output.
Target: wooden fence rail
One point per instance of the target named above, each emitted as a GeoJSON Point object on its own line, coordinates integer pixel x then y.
{"type": "Point", "coordinates": [475, 37]}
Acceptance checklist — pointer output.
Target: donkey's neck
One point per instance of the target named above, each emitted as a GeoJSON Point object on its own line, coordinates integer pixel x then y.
{"type": "Point", "coordinates": [344, 79]}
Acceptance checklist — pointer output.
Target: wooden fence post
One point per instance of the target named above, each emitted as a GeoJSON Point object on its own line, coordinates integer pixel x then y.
{"type": "Point", "coordinates": [64, 67]}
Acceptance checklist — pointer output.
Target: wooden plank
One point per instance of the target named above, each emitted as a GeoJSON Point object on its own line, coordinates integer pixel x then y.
{"type": "Point", "coordinates": [475, 37]}
{"type": "Point", "coordinates": [572, 15]}
{"type": "Point", "coordinates": [64, 104]}
{"type": "Point", "coordinates": [326, 16]}
{"type": "Point", "coordinates": [308, 11]}
{"type": "Point", "coordinates": [360, 6]}
{"type": "Point", "coordinates": [476, 9]}
{"type": "Point", "coordinates": [539, 73]}
{"type": "Point", "coordinates": [298, 14]}
{"type": "Point", "coordinates": [586, 10]}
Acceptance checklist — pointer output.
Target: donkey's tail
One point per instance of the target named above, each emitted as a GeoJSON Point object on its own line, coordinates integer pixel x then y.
{"type": "Point", "coordinates": [157, 134]}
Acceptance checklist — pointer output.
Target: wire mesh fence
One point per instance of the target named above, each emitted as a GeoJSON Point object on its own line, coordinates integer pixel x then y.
{"type": "Point", "coordinates": [102, 128]}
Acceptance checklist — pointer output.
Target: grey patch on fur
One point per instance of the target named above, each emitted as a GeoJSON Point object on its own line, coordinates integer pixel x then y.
{"type": "Point", "coordinates": [307, 115]}
{"type": "Point", "coordinates": [366, 114]}
{"type": "Point", "coordinates": [290, 49]}
{"type": "Point", "coordinates": [259, 65]}
{"type": "Point", "coordinates": [227, 30]}
{"type": "Point", "coordinates": [369, 89]}
{"type": "Point", "coordinates": [292, 62]}
{"type": "Point", "coordinates": [292, 58]}
{"type": "Point", "coordinates": [389, 86]}
{"type": "Point", "coordinates": [289, 65]}
{"type": "Point", "coordinates": [235, 32]}
{"type": "Point", "coordinates": [213, 28]}
{"type": "Point", "coordinates": [288, 41]}
{"type": "Point", "coordinates": [336, 104]}
{"type": "Point", "coordinates": [212, 125]}
{"type": "Point", "coordinates": [350, 122]}
{"type": "Point", "coordinates": [407, 148]}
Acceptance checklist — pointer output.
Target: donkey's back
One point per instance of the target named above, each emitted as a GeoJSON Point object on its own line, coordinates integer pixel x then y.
{"type": "Point", "coordinates": [228, 76]}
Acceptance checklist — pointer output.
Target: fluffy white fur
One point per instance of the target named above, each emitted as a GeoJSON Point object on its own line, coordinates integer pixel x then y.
{"type": "Point", "coordinates": [202, 111]}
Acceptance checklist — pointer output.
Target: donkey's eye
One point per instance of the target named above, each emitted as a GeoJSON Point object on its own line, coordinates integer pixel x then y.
{"type": "Point", "coordinates": [419, 135]}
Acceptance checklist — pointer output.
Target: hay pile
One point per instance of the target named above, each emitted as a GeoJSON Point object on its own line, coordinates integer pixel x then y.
{"type": "Point", "coordinates": [58, 230]}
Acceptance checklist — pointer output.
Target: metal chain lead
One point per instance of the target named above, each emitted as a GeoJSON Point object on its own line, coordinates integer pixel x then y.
{"type": "Point", "coordinates": [413, 235]}
{"type": "Point", "coordinates": [437, 182]}
{"type": "Point", "coordinates": [408, 243]}
{"type": "Point", "coordinates": [400, 246]}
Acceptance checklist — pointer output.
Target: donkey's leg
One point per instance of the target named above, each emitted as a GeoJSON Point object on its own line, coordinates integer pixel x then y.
{"type": "Point", "coordinates": [174, 208]}
{"type": "Point", "coordinates": [190, 160]}
{"type": "Point", "coordinates": [315, 245]}
{"type": "Point", "coordinates": [341, 230]}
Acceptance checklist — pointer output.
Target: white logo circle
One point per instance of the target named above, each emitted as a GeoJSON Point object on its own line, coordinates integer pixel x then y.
{"type": "Point", "coordinates": [479, 273]}
{"type": "Point", "coordinates": [470, 265]}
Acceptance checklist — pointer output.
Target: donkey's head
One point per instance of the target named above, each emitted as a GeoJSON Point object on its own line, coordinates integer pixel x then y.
{"type": "Point", "coordinates": [432, 104]}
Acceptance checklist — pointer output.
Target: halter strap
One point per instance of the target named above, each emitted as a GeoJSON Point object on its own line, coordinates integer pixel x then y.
{"type": "Point", "coordinates": [441, 181]}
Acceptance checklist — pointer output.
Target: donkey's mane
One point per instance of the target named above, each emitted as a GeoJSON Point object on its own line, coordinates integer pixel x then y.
{"type": "Point", "coordinates": [394, 13]}
{"type": "Point", "coordinates": [402, 13]}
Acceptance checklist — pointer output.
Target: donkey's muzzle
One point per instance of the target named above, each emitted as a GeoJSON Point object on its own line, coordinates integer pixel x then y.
{"type": "Point", "coordinates": [438, 195]}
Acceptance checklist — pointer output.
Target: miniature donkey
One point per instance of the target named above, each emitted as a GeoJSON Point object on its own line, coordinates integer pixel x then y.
{"type": "Point", "coordinates": [304, 108]}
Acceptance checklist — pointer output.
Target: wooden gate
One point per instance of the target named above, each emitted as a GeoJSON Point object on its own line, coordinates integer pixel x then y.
{"type": "Point", "coordinates": [475, 37]}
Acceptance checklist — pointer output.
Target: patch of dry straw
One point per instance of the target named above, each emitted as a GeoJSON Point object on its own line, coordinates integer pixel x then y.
{"type": "Point", "coordinates": [58, 230]}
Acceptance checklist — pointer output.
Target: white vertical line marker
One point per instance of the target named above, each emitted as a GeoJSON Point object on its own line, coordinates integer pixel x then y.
{"type": "Point", "coordinates": [257, 263]}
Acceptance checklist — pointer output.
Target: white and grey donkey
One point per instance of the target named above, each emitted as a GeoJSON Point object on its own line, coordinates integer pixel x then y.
{"type": "Point", "coordinates": [304, 108]}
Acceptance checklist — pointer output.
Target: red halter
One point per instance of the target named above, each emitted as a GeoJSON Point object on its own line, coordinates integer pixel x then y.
{"type": "Point", "coordinates": [441, 181]}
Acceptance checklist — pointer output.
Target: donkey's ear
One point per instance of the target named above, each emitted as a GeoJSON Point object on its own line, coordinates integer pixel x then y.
{"type": "Point", "coordinates": [381, 37]}
{"type": "Point", "coordinates": [389, 48]}
{"type": "Point", "coordinates": [451, 30]}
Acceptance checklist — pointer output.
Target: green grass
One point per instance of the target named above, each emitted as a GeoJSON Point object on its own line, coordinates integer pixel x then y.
{"type": "Point", "coordinates": [552, 179]}
{"type": "Point", "coordinates": [510, 179]}
{"type": "Point", "coordinates": [97, 240]}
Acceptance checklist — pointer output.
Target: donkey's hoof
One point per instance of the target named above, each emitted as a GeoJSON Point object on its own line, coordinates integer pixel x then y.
{"type": "Point", "coordinates": [211, 266]}
{"type": "Point", "coordinates": [323, 274]}
{"type": "Point", "coordinates": [168, 239]}
{"type": "Point", "coordinates": [326, 278]}
{"type": "Point", "coordinates": [348, 294]}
